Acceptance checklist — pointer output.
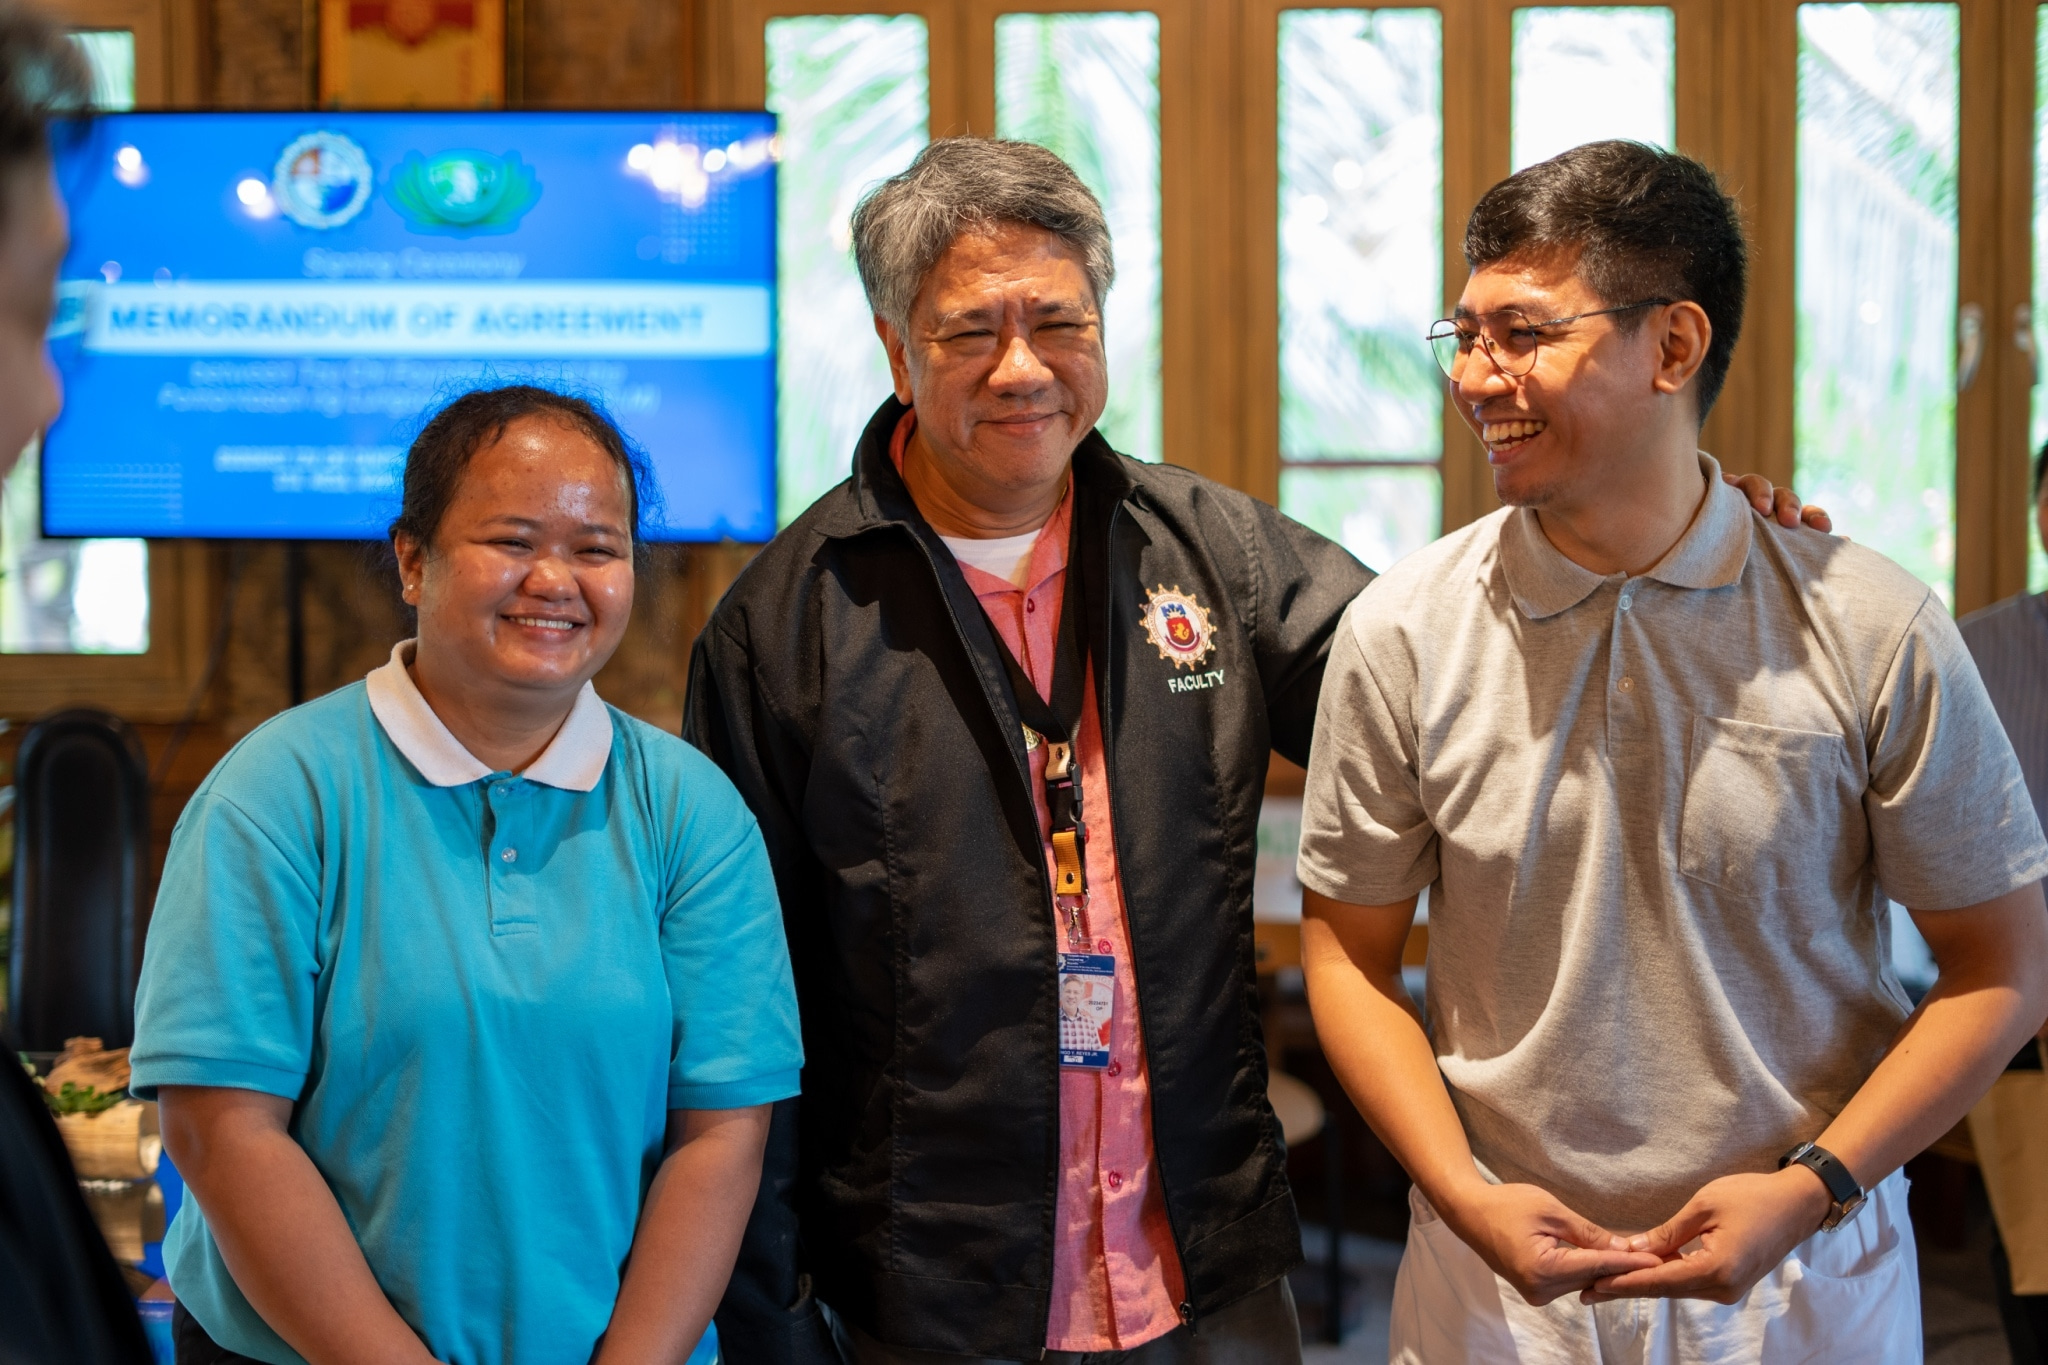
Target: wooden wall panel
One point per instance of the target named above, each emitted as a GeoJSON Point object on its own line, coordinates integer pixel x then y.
{"type": "Point", "coordinates": [1749, 139]}
{"type": "Point", "coordinates": [262, 54]}
{"type": "Point", "coordinates": [1207, 325]}
{"type": "Point", "coordinates": [1980, 285]}
{"type": "Point", "coordinates": [605, 54]}
{"type": "Point", "coordinates": [1256, 242]}
{"type": "Point", "coordinates": [1478, 112]}
{"type": "Point", "coordinates": [2011, 357]}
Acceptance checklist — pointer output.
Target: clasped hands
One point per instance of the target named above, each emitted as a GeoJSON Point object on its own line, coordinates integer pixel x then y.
{"type": "Point", "coordinates": [1726, 1238]}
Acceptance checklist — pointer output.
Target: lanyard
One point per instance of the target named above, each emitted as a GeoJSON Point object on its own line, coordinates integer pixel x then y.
{"type": "Point", "coordinates": [1059, 722]}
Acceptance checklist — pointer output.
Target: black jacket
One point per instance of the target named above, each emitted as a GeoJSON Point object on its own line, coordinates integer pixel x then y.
{"type": "Point", "coordinates": [851, 686]}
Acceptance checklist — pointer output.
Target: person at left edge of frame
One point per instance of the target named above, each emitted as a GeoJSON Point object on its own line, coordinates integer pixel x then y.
{"type": "Point", "coordinates": [62, 1297]}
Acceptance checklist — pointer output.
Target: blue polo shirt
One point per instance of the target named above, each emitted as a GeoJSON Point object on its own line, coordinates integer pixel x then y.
{"type": "Point", "coordinates": [484, 992]}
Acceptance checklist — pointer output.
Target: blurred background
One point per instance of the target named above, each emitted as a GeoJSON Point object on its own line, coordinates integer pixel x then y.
{"type": "Point", "coordinates": [1286, 187]}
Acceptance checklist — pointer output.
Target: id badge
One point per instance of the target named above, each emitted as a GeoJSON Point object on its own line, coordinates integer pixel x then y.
{"type": "Point", "coordinates": [1087, 1007]}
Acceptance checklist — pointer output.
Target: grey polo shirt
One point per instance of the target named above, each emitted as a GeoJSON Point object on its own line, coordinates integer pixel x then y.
{"type": "Point", "coordinates": [1655, 813]}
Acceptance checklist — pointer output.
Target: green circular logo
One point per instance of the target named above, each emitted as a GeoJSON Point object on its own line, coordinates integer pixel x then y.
{"type": "Point", "coordinates": [462, 192]}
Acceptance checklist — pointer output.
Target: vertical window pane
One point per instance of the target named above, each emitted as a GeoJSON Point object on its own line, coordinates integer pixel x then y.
{"type": "Point", "coordinates": [1087, 87]}
{"type": "Point", "coordinates": [1874, 379]}
{"type": "Point", "coordinates": [66, 596]}
{"type": "Point", "coordinates": [111, 55]}
{"type": "Point", "coordinates": [72, 596]}
{"type": "Point", "coordinates": [1379, 514]}
{"type": "Point", "coordinates": [853, 95]}
{"type": "Point", "coordinates": [2037, 560]}
{"type": "Point", "coordinates": [1585, 74]}
{"type": "Point", "coordinates": [1361, 275]}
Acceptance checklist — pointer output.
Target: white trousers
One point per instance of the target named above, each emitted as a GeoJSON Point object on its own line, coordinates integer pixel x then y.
{"type": "Point", "coordinates": [1850, 1295]}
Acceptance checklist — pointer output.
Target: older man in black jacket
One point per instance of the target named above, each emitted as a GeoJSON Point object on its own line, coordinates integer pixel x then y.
{"type": "Point", "coordinates": [857, 690]}
{"type": "Point", "coordinates": [1003, 703]}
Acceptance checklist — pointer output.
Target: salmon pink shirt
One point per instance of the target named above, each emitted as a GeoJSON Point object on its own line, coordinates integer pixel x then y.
{"type": "Point", "coordinates": [1116, 1276]}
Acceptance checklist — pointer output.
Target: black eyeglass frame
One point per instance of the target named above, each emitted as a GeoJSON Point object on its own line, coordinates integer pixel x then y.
{"type": "Point", "coordinates": [1483, 338]}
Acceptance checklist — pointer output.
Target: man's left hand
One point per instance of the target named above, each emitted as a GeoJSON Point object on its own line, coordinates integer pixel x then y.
{"type": "Point", "coordinates": [1745, 1225]}
{"type": "Point", "coordinates": [1780, 503]}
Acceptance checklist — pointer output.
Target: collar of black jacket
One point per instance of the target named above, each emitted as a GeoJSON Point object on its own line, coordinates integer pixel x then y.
{"type": "Point", "coordinates": [879, 496]}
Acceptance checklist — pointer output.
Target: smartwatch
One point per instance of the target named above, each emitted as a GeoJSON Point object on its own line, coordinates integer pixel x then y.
{"type": "Point", "coordinates": [1844, 1194]}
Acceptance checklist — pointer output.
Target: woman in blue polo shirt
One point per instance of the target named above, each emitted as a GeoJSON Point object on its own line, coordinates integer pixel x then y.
{"type": "Point", "coordinates": [466, 994]}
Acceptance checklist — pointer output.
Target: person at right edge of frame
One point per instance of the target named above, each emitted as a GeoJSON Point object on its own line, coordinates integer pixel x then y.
{"type": "Point", "coordinates": [1664, 768]}
{"type": "Point", "coordinates": [2009, 641]}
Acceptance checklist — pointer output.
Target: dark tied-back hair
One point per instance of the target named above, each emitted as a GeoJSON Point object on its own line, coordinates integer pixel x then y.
{"type": "Point", "coordinates": [451, 438]}
{"type": "Point", "coordinates": [1642, 223]}
{"type": "Point", "coordinates": [42, 76]}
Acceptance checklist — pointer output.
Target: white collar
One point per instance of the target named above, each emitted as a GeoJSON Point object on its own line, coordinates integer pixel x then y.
{"type": "Point", "coordinates": [573, 761]}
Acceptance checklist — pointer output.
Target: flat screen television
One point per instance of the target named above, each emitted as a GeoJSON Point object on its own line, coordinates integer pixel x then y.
{"type": "Point", "coordinates": [259, 310]}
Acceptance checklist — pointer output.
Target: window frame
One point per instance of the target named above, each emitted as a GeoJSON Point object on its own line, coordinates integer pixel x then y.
{"type": "Point", "coordinates": [1758, 144]}
{"type": "Point", "coordinates": [1200, 326]}
{"type": "Point", "coordinates": [1736, 107]}
{"type": "Point", "coordinates": [1463, 459]}
{"type": "Point", "coordinates": [168, 43]}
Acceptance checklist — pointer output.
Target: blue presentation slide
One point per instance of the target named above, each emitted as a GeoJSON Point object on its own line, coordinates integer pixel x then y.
{"type": "Point", "coordinates": [259, 311]}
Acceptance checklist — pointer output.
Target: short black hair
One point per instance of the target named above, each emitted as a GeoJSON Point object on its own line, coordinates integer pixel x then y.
{"type": "Point", "coordinates": [42, 76]}
{"type": "Point", "coordinates": [1642, 224]}
{"type": "Point", "coordinates": [2040, 470]}
{"type": "Point", "coordinates": [452, 437]}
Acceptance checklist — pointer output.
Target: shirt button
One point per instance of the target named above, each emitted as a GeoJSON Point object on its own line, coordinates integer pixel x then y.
{"type": "Point", "coordinates": [1627, 685]}
{"type": "Point", "coordinates": [1030, 605]}
{"type": "Point", "coordinates": [510, 855]}
{"type": "Point", "coordinates": [1116, 1180]}
{"type": "Point", "coordinates": [1116, 1068]}
{"type": "Point", "coordinates": [1626, 601]}
{"type": "Point", "coordinates": [1101, 945]}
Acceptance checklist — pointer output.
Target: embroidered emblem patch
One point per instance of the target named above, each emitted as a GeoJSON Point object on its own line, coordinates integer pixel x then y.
{"type": "Point", "coordinates": [1179, 626]}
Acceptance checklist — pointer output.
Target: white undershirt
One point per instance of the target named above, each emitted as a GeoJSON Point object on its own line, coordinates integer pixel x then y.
{"type": "Point", "coordinates": [1007, 557]}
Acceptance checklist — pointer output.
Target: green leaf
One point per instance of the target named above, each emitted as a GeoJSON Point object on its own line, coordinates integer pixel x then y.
{"type": "Point", "coordinates": [74, 1098]}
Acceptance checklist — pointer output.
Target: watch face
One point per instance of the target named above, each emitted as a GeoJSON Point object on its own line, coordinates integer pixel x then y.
{"type": "Point", "coordinates": [1842, 1213]}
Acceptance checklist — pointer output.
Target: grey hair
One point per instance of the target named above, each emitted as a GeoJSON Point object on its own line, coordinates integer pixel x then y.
{"type": "Point", "coordinates": [963, 184]}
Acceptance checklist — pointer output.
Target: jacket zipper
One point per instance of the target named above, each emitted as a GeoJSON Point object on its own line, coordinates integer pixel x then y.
{"type": "Point", "coordinates": [1185, 1308]}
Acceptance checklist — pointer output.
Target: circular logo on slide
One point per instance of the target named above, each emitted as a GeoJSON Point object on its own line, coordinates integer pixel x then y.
{"type": "Point", "coordinates": [462, 193]}
{"type": "Point", "coordinates": [322, 180]}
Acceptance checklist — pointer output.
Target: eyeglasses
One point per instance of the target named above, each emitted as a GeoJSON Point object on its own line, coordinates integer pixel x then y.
{"type": "Point", "coordinates": [1509, 337]}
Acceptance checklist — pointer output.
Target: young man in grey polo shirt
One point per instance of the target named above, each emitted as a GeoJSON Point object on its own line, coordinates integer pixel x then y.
{"type": "Point", "coordinates": [1655, 757]}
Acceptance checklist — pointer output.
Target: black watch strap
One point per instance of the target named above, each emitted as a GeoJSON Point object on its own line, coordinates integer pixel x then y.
{"type": "Point", "coordinates": [1844, 1194]}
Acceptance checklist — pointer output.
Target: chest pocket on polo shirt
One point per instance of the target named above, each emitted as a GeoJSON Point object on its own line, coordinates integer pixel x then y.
{"type": "Point", "coordinates": [1763, 806]}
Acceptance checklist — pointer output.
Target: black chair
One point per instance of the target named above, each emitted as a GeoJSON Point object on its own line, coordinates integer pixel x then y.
{"type": "Point", "coordinates": [81, 862]}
